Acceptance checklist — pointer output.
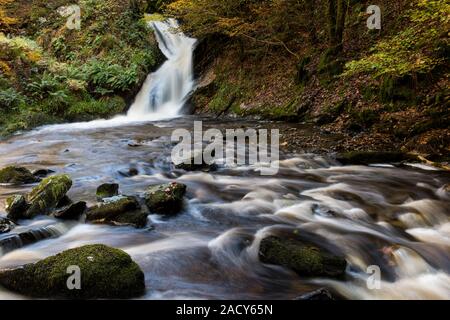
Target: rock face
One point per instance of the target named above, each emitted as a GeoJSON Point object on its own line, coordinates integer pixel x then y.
{"type": "Point", "coordinates": [105, 273]}
{"type": "Point", "coordinates": [70, 212]}
{"type": "Point", "coordinates": [120, 210]}
{"type": "Point", "coordinates": [166, 198]}
{"type": "Point", "coordinates": [306, 259]}
{"type": "Point", "coordinates": [45, 197]}
{"type": "Point", "coordinates": [17, 175]}
{"type": "Point", "coordinates": [6, 225]}
{"type": "Point", "coordinates": [107, 190]}
{"type": "Point", "coordinates": [16, 206]}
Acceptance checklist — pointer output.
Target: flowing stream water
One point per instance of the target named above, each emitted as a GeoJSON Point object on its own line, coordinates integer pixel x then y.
{"type": "Point", "coordinates": [396, 218]}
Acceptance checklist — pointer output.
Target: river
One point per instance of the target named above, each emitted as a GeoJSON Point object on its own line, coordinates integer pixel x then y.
{"type": "Point", "coordinates": [396, 218]}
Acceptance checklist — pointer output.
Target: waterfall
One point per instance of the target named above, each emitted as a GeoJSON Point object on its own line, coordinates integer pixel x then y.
{"type": "Point", "coordinates": [165, 91]}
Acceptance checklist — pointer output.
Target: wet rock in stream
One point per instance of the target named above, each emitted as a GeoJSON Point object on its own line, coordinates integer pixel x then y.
{"type": "Point", "coordinates": [45, 197]}
{"type": "Point", "coordinates": [42, 173]}
{"type": "Point", "coordinates": [165, 199]}
{"type": "Point", "coordinates": [15, 206]}
{"type": "Point", "coordinates": [106, 273]}
{"type": "Point", "coordinates": [6, 225]}
{"type": "Point", "coordinates": [71, 211]}
{"type": "Point", "coordinates": [303, 257]}
{"type": "Point", "coordinates": [14, 240]}
{"type": "Point", "coordinates": [119, 210]}
{"type": "Point", "coordinates": [17, 175]}
{"type": "Point", "coordinates": [107, 190]}
{"type": "Point", "coordinates": [42, 199]}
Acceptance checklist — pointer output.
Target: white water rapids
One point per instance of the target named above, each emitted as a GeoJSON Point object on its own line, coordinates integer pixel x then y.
{"type": "Point", "coordinates": [394, 217]}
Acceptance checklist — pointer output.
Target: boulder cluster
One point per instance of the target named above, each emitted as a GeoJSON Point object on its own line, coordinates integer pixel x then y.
{"type": "Point", "coordinates": [109, 272]}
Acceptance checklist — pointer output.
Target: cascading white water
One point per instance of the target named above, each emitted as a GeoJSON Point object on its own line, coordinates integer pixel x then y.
{"type": "Point", "coordinates": [165, 92]}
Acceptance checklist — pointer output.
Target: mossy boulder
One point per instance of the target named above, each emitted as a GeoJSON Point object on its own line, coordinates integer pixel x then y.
{"type": "Point", "coordinates": [305, 258]}
{"type": "Point", "coordinates": [107, 190]}
{"type": "Point", "coordinates": [105, 273]}
{"type": "Point", "coordinates": [17, 175]}
{"type": "Point", "coordinates": [165, 198]}
{"type": "Point", "coordinates": [6, 225]}
{"type": "Point", "coordinates": [45, 197]}
{"type": "Point", "coordinates": [16, 206]}
{"type": "Point", "coordinates": [119, 210]}
{"type": "Point", "coordinates": [368, 157]}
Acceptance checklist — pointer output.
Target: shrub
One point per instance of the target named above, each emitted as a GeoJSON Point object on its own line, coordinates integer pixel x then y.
{"type": "Point", "coordinates": [11, 99]}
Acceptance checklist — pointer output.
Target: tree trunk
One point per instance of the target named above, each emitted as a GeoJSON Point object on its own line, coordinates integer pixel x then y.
{"type": "Point", "coordinates": [340, 20]}
{"type": "Point", "coordinates": [332, 21]}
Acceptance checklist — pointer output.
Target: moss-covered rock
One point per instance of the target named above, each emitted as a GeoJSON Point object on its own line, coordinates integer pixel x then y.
{"type": "Point", "coordinates": [45, 197]}
{"type": "Point", "coordinates": [369, 157]}
{"type": "Point", "coordinates": [16, 206]}
{"type": "Point", "coordinates": [107, 190]}
{"type": "Point", "coordinates": [306, 259]}
{"type": "Point", "coordinates": [105, 273]}
{"type": "Point", "coordinates": [166, 198]}
{"type": "Point", "coordinates": [6, 225]}
{"type": "Point", "coordinates": [119, 210]}
{"type": "Point", "coordinates": [17, 175]}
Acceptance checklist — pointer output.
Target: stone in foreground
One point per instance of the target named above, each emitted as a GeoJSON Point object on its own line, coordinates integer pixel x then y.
{"type": "Point", "coordinates": [17, 175]}
{"type": "Point", "coordinates": [306, 259]}
{"type": "Point", "coordinates": [120, 210]}
{"type": "Point", "coordinates": [46, 196]}
{"type": "Point", "coordinates": [106, 273]}
{"type": "Point", "coordinates": [166, 198]}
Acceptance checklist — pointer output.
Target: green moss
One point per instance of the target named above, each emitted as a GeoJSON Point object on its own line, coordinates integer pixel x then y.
{"type": "Point", "coordinates": [46, 196]}
{"type": "Point", "coordinates": [305, 259]}
{"type": "Point", "coordinates": [16, 175]}
{"type": "Point", "coordinates": [91, 109]}
{"type": "Point", "coordinates": [107, 190]}
{"type": "Point", "coordinates": [105, 273]}
{"type": "Point", "coordinates": [165, 199]}
{"type": "Point", "coordinates": [416, 49]}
